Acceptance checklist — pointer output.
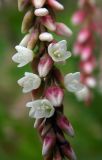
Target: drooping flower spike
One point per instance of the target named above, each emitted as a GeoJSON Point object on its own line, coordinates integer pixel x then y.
{"type": "Point", "coordinates": [46, 83]}
{"type": "Point", "coordinates": [85, 44]}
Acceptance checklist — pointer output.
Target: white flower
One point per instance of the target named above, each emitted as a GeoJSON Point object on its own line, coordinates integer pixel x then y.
{"type": "Point", "coordinates": [83, 94]}
{"type": "Point", "coordinates": [72, 82]}
{"type": "Point", "coordinates": [23, 56]}
{"type": "Point", "coordinates": [29, 82]}
{"type": "Point", "coordinates": [58, 51]}
{"type": "Point", "coordinates": [41, 108]}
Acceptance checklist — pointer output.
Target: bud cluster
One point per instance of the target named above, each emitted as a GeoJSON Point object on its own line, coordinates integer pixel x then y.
{"type": "Point", "coordinates": [85, 45]}
{"type": "Point", "coordinates": [46, 82]}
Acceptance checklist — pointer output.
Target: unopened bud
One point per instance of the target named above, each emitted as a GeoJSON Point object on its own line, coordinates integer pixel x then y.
{"type": "Point", "coordinates": [41, 12]}
{"type": "Point", "coordinates": [63, 30]}
{"type": "Point", "coordinates": [33, 39]}
{"type": "Point", "coordinates": [55, 95]}
{"type": "Point", "coordinates": [49, 23]}
{"type": "Point", "coordinates": [27, 21]}
{"type": "Point", "coordinates": [55, 5]}
{"type": "Point", "coordinates": [78, 17]}
{"type": "Point", "coordinates": [45, 65]}
{"type": "Point", "coordinates": [65, 125]}
{"type": "Point", "coordinates": [48, 143]}
{"type": "Point", "coordinates": [68, 151]}
{"type": "Point", "coordinates": [25, 40]}
{"type": "Point", "coordinates": [84, 35]}
{"type": "Point", "coordinates": [45, 36]}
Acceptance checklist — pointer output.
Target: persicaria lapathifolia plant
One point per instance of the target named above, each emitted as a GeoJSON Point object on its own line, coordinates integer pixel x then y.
{"type": "Point", "coordinates": [46, 82]}
{"type": "Point", "coordinates": [85, 45]}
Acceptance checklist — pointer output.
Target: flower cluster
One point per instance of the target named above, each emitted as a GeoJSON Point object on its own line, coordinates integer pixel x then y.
{"type": "Point", "coordinates": [46, 82]}
{"type": "Point", "coordinates": [85, 45]}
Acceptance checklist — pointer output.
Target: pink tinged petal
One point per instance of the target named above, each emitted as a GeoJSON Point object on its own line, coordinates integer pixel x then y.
{"type": "Point", "coordinates": [41, 12]}
{"type": "Point", "coordinates": [86, 52]}
{"type": "Point", "coordinates": [87, 67]}
{"type": "Point", "coordinates": [78, 17]}
{"type": "Point", "coordinates": [65, 125]}
{"type": "Point", "coordinates": [84, 35]}
{"type": "Point", "coordinates": [63, 30]}
{"type": "Point", "coordinates": [55, 95]}
{"type": "Point", "coordinates": [45, 36]}
{"type": "Point", "coordinates": [48, 143]}
{"type": "Point", "coordinates": [68, 151]}
{"type": "Point", "coordinates": [45, 65]}
{"type": "Point", "coordinates": [49, 22]}
{"type": "Point", "coordinates": [90, 82]}
{"type": "Point", "coordinates": [55, 4]}
{"type": "Point", "coordinates": [77, 49]}
{"type": "Point", "coordinates": [38, 3]}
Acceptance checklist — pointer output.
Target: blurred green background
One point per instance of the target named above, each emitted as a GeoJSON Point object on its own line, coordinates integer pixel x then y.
{"type": "Point", "coordinates": [18, 138]}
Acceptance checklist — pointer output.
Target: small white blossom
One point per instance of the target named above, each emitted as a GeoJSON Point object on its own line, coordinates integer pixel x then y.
{"type": "Point", "coordinates": [72, 82]}
{"type": "Point", "coordinates": [58, 51]}
{"type": "Point", "coordinates": [29, 82]}
{"type": "Point", "coordinates": [41, 108]}
{"type": "Point", "coordinates": [23, 56]}
{"type": "Point", "coordinates": [83, 94]}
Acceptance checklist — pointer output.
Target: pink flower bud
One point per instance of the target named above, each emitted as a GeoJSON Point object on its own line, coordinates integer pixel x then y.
{"type": "Point", "coordinates": [48, 143]}
{"type": "Point", "coordinates": [45, 65]}
{"type": "Point", "coordinates": [84, 35]}
{"type": "Point", "coordinates": [55, 95]}
{"type": "Point", "coordinates": [65, 125]}
{"type": "Point", "coordinates": [77, 49]}
{"type": "Point", "coordinates": [63, 30]}
{"type": "Point", "coordinates": [68, 151]}
{"type": "Point", "coordinates": [88, 65]}
{"type": "Point", "coordinates": [49, 22]}
{"type": "Point", "coordinates": [78, 17]}
{"type": "Point", "coordinates": [55, 5]}
{"type": "Point", "coordinates": [90, 82]}
{"type": "Point", "coordinates": [86, 52]}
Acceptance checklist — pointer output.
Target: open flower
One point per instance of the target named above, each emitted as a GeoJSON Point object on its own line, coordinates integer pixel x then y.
{"type": "Point", "coordinates": [41, 108]}
{"type": "Point", "coordinates": [55, 95]}
{"type": "Point", "coordinates": [72, 82]}
{"type": "Point", "coordinates": [23, 56]}
{"type": "Point", "coordinates": [83, 94]}
{"type": "Point", "coordinates": [58, 51]}
{"type": "Point", "coordinates": [29, 82]}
